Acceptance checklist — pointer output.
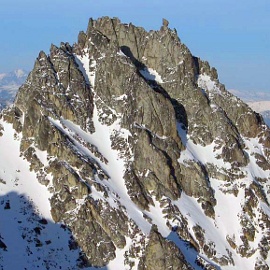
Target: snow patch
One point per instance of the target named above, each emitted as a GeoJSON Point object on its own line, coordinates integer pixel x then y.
{"type": "Point", "coordinates": [206, 83]}
{"type": "Point", "coordinates": [151, 74]}
{"type": "Point", "coordinates": [87, 66]}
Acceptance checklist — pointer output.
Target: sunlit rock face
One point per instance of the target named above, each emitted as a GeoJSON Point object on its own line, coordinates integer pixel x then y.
{"type": "Point", "coordinates": [140, 153]}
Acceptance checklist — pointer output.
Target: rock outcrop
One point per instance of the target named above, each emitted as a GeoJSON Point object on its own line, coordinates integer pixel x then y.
{"type": "Point", "coordinates": [139, 134]}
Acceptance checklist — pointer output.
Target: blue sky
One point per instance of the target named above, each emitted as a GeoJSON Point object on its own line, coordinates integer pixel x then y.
{"type": "Point", "coordinates": [234, 36]}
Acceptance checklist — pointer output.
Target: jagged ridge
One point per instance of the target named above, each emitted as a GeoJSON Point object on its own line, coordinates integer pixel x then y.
{"type": "Point", "coordinates": [144, 150]}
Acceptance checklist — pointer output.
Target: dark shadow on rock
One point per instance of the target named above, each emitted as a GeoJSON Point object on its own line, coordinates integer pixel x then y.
{"type": "Point", "coordinates": [180, 112]}
{"type": "Point", "coordinates": [126, 50]}
{"type": "Point", "coordinates": [190, 253]}
{"type": "Point", "coordinates": [30, 241]}
{"type": "Point", "coordinates": [196, 64]}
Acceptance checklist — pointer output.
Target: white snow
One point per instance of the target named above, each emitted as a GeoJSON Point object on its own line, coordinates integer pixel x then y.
{"type": "Point", "coordinates": [121, 53]}
{"type": "Point", "coordinates": [19, 186]}
{"type": "Point", "coordinates": [85, 63]}
{"type": "Point", "coordinates": [119, 262]}
{"type": "Point", "coordinates": [228, 209]}
{"type": "Point", "coordinates": [157, 217]}
{"type": "Point", "coordinates": [3, 75]}
{"type": "Point", "coordinates": [206, 83]}
{"type": "Point", "coordinates": [24, 202]}
{"type": "Point", "coordinates": [151, 74]}
{"type": "Point", "coordinates": [13, 167]}
{"type": "Point", "coordinates": [229, 206]}
{"type": "Point", "coordinates": [116, 165]}
{"type": "Point", "coordinates": [122, 97]}
{"type": "Point", "coordinates": [203, 154]}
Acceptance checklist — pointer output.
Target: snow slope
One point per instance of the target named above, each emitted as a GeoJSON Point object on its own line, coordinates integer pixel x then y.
{"type": "Point", "coordinates": [31, 239]}
{"type": "Point", "coordinates": [227, 222]}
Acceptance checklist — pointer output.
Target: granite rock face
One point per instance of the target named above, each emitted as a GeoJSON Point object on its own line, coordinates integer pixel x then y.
{"type": "Point", "coordinates": [149, 160]}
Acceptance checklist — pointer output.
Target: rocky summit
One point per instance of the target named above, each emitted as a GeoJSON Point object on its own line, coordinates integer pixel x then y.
{"type": "Point", "coordinates": [124, 151]}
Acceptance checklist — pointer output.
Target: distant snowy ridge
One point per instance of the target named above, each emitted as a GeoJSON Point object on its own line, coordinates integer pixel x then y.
{"type": "Point", "coordinates": [17, 76]}
{"type": "Point", "coordinates": [251, 96]}
{"type": "Point", "coordinates": [9, 85]}
{"type": "Point", "coordinates": [260, 106]}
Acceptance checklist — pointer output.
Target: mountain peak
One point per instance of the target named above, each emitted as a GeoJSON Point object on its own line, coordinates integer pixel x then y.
{"type": "Point", "coordinates": [142, 152]}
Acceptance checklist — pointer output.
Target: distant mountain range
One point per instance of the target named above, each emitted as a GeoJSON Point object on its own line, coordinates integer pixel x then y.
{"type": "Point", "coordinates": [262, 107]}
{"type": "Point", "coordinates": [9, 85]}
{"type": "Point", "coordinates": [251, 96]}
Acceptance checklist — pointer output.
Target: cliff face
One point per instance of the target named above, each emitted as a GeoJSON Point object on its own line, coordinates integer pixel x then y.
{"type": "Point", "coordinates": [149, 161]}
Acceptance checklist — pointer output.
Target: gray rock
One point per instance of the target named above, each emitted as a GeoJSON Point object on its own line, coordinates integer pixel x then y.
{"type": "Point", "coordinates": [162, 254]}
{"type": "Point", "coordinates": [150, 108]}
